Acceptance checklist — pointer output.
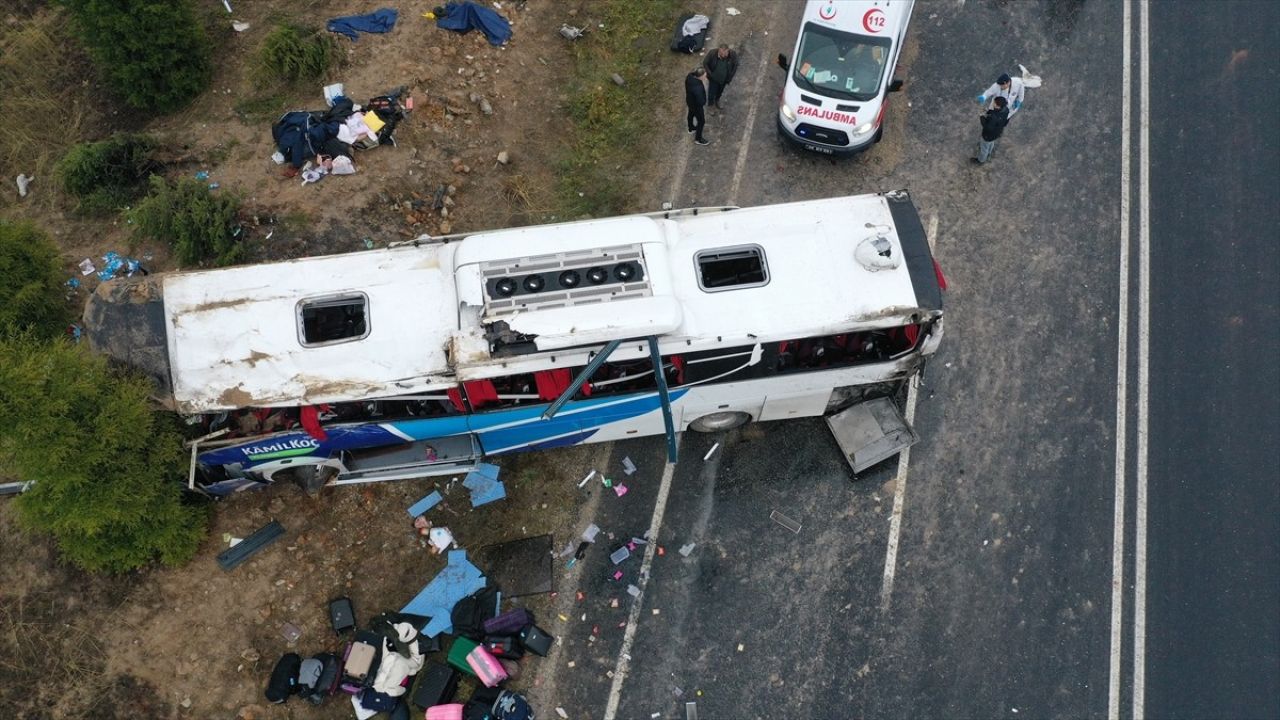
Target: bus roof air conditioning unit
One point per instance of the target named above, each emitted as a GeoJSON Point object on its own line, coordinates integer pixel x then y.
{"type": "Point", "coordinates": [566, 279]}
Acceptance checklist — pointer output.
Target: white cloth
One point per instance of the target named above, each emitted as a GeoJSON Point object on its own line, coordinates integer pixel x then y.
{"type": "Point", "coordinates": [695, 25]}
{"type": "Point", "coordinates": [395, 667]}
{"type": "Point", "coordinates": [1016, 93]}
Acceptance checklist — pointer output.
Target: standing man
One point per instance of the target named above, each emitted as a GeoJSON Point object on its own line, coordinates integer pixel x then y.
{"type": "Point", "coordinates": [993, 122]}
{"type": "Point", "coordinates": [695, 96]}
{"type": "Point", "coordinates": [721, 66]}
{"type": "Point", "coordinates": [1013, 90]}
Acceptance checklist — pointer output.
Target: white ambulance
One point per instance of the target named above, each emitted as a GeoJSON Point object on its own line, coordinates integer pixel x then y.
{"type": "Point", "coordinates": [838, 84]}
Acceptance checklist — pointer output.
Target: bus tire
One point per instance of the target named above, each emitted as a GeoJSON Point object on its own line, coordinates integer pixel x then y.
{"type": "Point", "coordinates": [715, 422]}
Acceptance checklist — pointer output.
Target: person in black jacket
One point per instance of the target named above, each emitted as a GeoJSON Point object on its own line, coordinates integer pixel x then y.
{"type": "Point", "coordinates": [993, 122]}
{"type": "Point", "coordinates": [695, 96]}
{"type": "Point", "coordinates": [721, 66]}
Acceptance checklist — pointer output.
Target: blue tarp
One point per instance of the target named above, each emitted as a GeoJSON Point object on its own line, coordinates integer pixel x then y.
{"type": "Point", "coordinates": [465, 16]}
{"type": "Point", "coordinates": [379, 21]}
{"type": "Point", "coordinates": [457, 580]}
{"type": "Point", "coordinates": [425, 504]}
{"type": "Point", "coordinates": [484, 485]}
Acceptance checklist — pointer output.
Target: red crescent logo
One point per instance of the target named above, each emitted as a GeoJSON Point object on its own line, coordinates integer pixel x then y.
{"type": "Point", "coordinates": [873, 21]}
{"type": "Point", "coordinates": [827, 12]}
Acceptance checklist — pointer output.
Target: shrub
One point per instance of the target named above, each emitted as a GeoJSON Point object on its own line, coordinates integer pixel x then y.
{"type": "Point", "coordinates": [290, 53]}
{"type": "Point", "coordinates": [153, 52]}
{"type": "Point", "coordinates": [105, 467]}
{"type": "Point", "coordinates": [109, 174]}
{"type": "Point", "coordinates": [199, 224]}
{"type": "Point", "coordinates": [31, 294]}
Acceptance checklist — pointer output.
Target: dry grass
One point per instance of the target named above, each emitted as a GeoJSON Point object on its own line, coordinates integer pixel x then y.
{"type": "Point", "coordinates": [37, 63]}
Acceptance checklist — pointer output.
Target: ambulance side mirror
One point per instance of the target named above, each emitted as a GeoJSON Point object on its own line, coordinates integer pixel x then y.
{"type": "Point", "coordinates": [895, 86]}
{"type": "Point", "coordinates": [783, 62]}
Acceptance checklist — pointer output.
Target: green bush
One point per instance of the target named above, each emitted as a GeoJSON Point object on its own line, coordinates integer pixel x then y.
{"type": "Point", "coordinates": [106, 469]}
{"type": "Point", "coordinates": [109, 174]}
{"type": "Point", "coordinates": [290, 53]}
{"type": "Point", "coordinates": [153, 52]}
{"type": "Point", "coordinates": [198, 223]}
{"type": "Point", "coordinates": [31, 293]}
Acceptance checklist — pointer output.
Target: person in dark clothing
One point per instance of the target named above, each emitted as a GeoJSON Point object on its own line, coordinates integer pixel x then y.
{"type": "Point", "coordinates": [721, 66]}
{"type": "Point", "coordinates": [695, 97]}
{"type": "Point", "coordinates": [993, 122]}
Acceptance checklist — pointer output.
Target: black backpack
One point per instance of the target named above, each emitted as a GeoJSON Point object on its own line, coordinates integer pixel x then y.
{"type": "Point", "coordinates": [328, 682]}
{"type": "Point", "coordinates": [284, 678]}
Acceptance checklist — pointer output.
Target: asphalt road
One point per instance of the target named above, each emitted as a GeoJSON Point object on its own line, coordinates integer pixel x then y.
{"type": "Point", "coordinates": [1213, 617]}
{"type": "Point", "coordinates": [1002, 593]}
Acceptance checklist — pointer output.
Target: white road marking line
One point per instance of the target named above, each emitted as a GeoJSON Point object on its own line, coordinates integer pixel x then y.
{"type": "Point", "coordinates": [629, 635]}
{"type": "Point", "coordinates": [1122, 391]}
{"type": "Point", "coordinates": [899, 499]}
{"type": "Point", "coordinates": [1144, 348]}
{"type": "Point", "coordinates": [745, 143]}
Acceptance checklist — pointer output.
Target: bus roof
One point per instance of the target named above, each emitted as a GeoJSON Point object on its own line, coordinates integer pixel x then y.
{"type": "Point", "coordinates": [436, 312]}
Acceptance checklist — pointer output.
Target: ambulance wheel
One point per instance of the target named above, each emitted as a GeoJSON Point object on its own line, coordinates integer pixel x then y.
{"type": "Point", "coordinates": [715, 422]}
{"type": "Point", "coordinates": [879, 133]}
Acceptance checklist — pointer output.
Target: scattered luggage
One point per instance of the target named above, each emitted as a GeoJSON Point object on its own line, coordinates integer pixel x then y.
{"type": "Point", "coordinates": [690, 43]}
{"type": "Point", "coordinates": [436, 685]}
{"type": "Point", "coordinates": [373, 700]}
{"type": "Point", "coordinates": [510, 622]}
{"type": "Point", "coordinates": [536, 640]}
{"type": "Point", "coordinates": [486, 667]}
{"type": "Point", "coordinates": [327, 683]}
{"type": "Point", "coordinates": [504, 646]}
{"type": "Point", "coordinates": [512, 705]}
{"type": "Point", "coordinates": [284, 678]}
{"type": "Point", "coordinates": [358, 664]}
{"type": "Point", "coordinates": [452, 711]}
{"type": "Point", "coordinates": [470, 613]}
{"type": "Point", "coordinates": [458, 654]}
{"type": "Point", "coordinates": [342, 615]}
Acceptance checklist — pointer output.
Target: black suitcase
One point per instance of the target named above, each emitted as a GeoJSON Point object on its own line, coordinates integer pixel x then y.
{"type": "Point", "coordinates": [436, 685]}
{"type": "Point", "coordinates": [536, 640]}
{"type": "Point", "coordinates": [342, 615]}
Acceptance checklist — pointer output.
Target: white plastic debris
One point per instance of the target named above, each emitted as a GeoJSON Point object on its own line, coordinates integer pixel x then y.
{"type": "Point", "coordinates": [711, 452]}
{"type": "Point", "coordinates": [633, 591]}
{"type": "Point", "coordinates": [588, 477]}
{"type": "Point", "coordinates": [560, 711]}
{"type": "Point", "coordinates": [23, 182]}
{"type": "Point", "coordinates": [732, 11]}
{"type": "Point", "coordinates": [591, 532]}
{"type": "Point", "coordinates": [239, 26]}
{"type": "Point", "coordinates": [1031, 81]}
{"type": "Point", "coordinates": [686, 550]}
{"type": "Point", "coordinates": [86, 267]}
{"type": "Point", "coordinates": [628, 467]}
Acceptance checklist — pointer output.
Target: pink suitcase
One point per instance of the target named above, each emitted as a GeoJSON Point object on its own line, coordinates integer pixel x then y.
{"type": "Point", "coordinates": [452, 711]}
{"type": "Point", "coordinates": [486, 666]}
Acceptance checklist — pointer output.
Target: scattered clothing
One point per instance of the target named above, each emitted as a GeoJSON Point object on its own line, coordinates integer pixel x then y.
{"type": "Point", "coordinates": [466, 16]}
{"type": "Point", "coordinates": [695, 25]}
{"type": "Point", "coordinates": [720, 72]}
{"type": "Point", "coordinates": [379, 21]}
{"type": "Point", "coordinates": [690, 33]}
{"type": "Point", "coordinates": [695, 98]}
{"type": "Point", "coordinates": [993, 123]}
{"type": "Point", "coordinates": [1014, 93]}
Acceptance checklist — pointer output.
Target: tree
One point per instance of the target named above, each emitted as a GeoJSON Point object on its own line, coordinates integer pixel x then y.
{"type": "Point", "coordinates": [153, 52]}
{"type": "Point", "coordinates": [106, 467]}
{"type": "Point", "coordinates": [31, 292]}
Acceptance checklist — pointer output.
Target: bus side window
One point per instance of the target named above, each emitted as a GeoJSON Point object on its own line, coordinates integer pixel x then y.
{"type": "Point", "coordinates": [719, 365]}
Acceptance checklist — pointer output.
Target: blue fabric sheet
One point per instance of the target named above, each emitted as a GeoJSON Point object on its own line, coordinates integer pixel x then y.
{"type": "Point", "coordinates": [465, 16]}
{"type": "Point", "coordinates": [379, 21]}
{"type": "Point", "coordinates": [457, 580]}
{"type": "Point", "coordinates": [484, 485]}
{"type": "Point", "coordinates": [425, 504]}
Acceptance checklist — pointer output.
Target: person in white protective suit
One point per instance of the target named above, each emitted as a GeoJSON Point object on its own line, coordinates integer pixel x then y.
{"type": "Point", "coordinates": [1013, 90]}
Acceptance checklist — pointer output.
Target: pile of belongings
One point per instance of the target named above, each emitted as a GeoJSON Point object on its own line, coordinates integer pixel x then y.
{"type": "Point", "coordinates": [691, 33]}
{"type": "Point", "coordinates": [329, 136]}
{"type": "Point", "coordinates": [387, 666]}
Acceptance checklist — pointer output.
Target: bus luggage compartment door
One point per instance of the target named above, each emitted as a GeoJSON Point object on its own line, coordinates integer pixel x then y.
{"type": "Point", "coordinates": [871, 432]}
{"type": "Point", "coordinates": [420, 458]}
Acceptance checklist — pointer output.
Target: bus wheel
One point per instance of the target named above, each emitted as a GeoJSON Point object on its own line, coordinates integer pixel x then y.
{"type": "Point", "coordinates": [716, 422]}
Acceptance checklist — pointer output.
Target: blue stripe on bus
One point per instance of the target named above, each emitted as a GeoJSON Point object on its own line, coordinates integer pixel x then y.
{"type": "Point", "coordinates": [499, 430]}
